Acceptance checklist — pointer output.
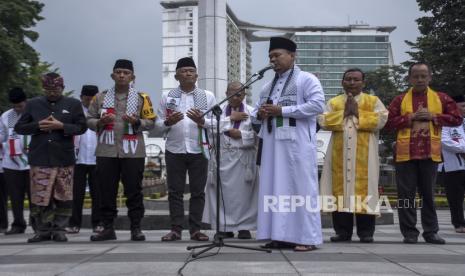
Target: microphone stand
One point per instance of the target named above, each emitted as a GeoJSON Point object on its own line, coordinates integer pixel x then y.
{"type": "Point", "coordinates": [218, 239]}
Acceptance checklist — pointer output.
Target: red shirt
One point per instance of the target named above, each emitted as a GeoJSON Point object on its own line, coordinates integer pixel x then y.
{"type": "Point", "coordinates": [420, 142]}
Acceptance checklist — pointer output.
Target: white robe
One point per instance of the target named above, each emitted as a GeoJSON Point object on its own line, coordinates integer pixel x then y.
{"type": "Point", "coordinates": [289, 167]}
{"type": "Point", "coordinates": [239, 176]}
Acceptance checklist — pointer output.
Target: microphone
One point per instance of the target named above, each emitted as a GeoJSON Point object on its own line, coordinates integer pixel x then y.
{"type": "Point", "coordinates": [262, 71]}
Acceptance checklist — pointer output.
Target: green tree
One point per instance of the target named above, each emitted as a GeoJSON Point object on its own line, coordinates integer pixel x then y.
{"type": "Point", "coordinates": [442, 43]}
{"type": "Point", "coordinates": [387, 82]}
{"type": "Point", "coordinates": [19, 62]}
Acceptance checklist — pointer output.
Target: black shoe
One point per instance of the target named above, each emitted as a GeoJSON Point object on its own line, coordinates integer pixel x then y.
{"type": "Point", "coordinates": [3, 230]}
{"type": "Point", "coordinates": [72, 230]}
{"type": "Point", "coordinates": [137, 235]}
{"type": "Point", "coordinates": [14, 231]}
{"type": "Point", "coordinates": [97, 229]}
{"type": "Point", "coordinates": [278, 245]}
{"type": "Point", "coordinates": [435, 239]}
{"type": "Point", "coordinates": [367, 239]}
{"type": "Point", "coordinates": [225, 235]}
{"type": "Point", "coordinates": [244, 235]}
{"type": "Point", "coordinates": [39, 238]}
{"type": "Point", "coordinates": [60, 237]}
{"type": "Point", "coordinates": [340, 238]}
{"type": "Point", "coordinates": [410, 239]}
{"type": "Point", "coordinates": [106, 235]}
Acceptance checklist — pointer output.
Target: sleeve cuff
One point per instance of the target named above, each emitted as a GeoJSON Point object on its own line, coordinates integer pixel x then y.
{"type": "Point", "coordinates": [68, 129]}
{"type": "Point", "coordinates": [286, 110]}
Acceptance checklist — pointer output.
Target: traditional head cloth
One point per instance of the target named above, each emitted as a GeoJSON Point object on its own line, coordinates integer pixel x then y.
{"type": "Point", "coordinates": [52, 81]}
{"type": "Point", "coordinates": [16, 95]}
{"type": "Point", "coordinates": [124, 64]}
{"type": "Point", "coordinates": [282, 43]}
{"type": "Point", "coordinates": [89, 90]}
{"type": "Point", "coordinates": [185, 62]}
{"type": "Point", "coordinates": [459, 98]}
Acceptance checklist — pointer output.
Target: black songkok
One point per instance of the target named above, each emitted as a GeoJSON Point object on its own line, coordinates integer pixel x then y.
{"type": "Point", "coordinates": [185, 62]}
{"type": "Point", "coordinates": [16, 95]}
{"type": "Point", "coordinates": [282, 43]}
{"type": "Point", "coordinates": [89, 90]}
{"type": "Point", "coordinates": [123, 64]}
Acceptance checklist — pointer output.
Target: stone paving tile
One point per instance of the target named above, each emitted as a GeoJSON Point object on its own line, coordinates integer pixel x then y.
{"type": "Point", "coordinates": [387, 256]}
{"type": "Point", "coordinates": [436, 269]}
{"type": "Point", "coordinates": [402, 249]}
{"type": "Point", "coordinates": [195, 268]}
{"type": "Point", "coordinates": [348, 268]}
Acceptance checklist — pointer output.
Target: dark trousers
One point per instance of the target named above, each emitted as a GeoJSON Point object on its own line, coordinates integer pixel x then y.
{"type": "Point", "coordinates": [52, 219]}
{"type": "Point", "coordinates": [454, 183]}
{"type": "Point", "coordinates": [18, 185]}
{"type": "Point", "coordinates": [343, 224]}
{"type": "Point", "coordinates": [177, 165]}
{"type": "Point", "coordinates": [109, 173]}
{"type": "Point", "coordinates": [3, 203]}
{"type": "Point", "coordinates": [84, 174]}
{"type": "Point", "coordinates": [410, 176]}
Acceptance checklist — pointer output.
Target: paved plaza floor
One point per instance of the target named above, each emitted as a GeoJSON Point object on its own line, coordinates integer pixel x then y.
{"type": "Point", "coordinates": [387, 256]}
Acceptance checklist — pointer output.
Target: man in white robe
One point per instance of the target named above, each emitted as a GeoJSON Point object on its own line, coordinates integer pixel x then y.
{"type": "Point", "coordinates": [288, 212]}
{"type": "Point", "coordinates": [238, 171]}
{"type": "Point", "coordinates": [351, 166]}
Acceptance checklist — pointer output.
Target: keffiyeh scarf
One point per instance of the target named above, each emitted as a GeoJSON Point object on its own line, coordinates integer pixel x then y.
{"type": "Point", "coordinates": [107, 136]}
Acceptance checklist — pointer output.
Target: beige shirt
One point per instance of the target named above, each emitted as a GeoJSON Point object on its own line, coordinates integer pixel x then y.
{"type": "Point", "coordinates": [116, 150]}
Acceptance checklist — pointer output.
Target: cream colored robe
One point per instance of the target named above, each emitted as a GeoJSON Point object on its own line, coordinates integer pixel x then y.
{"type": "Point", "coordinates": [351, 167]}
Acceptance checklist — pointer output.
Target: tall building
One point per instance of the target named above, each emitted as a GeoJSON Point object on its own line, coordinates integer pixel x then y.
{"type": "Point", "coordinates": [328, 54]}
{"type": "Point", "coordinates": [209, 32]}
{"type": "Point", "coordinates": [180, 37]}
{"type": "Point", "coordinates": [220, 44]}
{"type": "Point", "coordinates": [223, 53]}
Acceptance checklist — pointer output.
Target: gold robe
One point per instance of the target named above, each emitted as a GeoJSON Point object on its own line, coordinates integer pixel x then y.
{"type": "Point", "coordinates": [351, 167]}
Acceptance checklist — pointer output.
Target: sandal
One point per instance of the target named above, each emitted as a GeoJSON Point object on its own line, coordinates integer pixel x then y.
{"type": "Point", "coordinates": [199, 236]}
{"type": "Point", "coordinates": [304, 248]}
{"type": "Point", "coordinates": [171, 236]}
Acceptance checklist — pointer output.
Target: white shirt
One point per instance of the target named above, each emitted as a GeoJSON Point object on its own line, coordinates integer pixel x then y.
{"type": "Point", "coordinates": [453, 148]}
{"type": "Point", "coordinates": [85, 145]}
{"type": "Point", "coordinates": [247, 133]}
{"type": "Point", "coordinates": [9, 162]}
{"type": "Point", "coordinates": [183, 137]}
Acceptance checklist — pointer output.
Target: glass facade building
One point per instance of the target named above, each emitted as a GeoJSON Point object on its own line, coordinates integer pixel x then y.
{"type": "Point", "coordinates": [329, 54]}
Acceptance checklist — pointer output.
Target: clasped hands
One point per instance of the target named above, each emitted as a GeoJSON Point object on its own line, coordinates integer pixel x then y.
{"type": "Point", "coordinates": [237, 116]}
{"type": "Point", "coordinates": [269, 110]}
{"type": "Point", "coordinates": [108, 118]}
{"type": "Point", "coordinates": [422, 114]}
{"type": "Point", "coordinates": [351, 106]}
{"type": "Point", "coordinates": [50, 123]}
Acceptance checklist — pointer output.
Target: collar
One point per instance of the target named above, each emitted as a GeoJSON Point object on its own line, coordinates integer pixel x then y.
{"type": "Point", "coordinates": [285, 74]}
{"type": "Point", "coordinates": [420, 93]}
{"type": "Point", "coordinates": [17, 113]}
{"type": "Point", "coordinates": [53, 102]}
{"type": "Point", "coordinates": [188, 93]}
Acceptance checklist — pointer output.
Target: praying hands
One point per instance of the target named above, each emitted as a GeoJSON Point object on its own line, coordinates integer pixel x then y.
{"type": "Point", "coordinates": [50, 123]}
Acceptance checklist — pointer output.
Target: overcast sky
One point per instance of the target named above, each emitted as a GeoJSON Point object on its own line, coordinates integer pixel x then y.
{"type": "Point", "coordinates": [84, 38]}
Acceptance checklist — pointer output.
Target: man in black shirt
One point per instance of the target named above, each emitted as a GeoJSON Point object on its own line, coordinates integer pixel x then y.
{"type": "Point", "coordinates": [52, 121]}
